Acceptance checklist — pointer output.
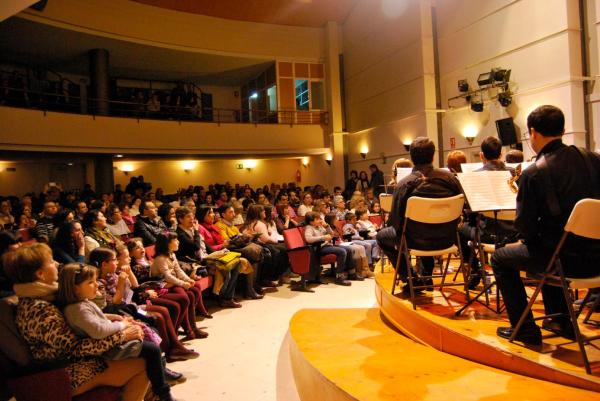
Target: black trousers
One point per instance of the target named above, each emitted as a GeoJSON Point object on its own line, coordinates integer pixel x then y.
{"type": "Point", "coordinates": [388, 240]}
{"type": "Point", "coordinates": [151, 353]}
{"type": "Point", "coordinates": [507, 262]}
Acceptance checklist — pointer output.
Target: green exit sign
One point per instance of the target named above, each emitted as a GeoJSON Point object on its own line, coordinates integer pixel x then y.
{"type": "Point", "coordinates": [239, 166]}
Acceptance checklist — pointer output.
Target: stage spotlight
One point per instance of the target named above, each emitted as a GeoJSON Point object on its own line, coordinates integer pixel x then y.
{"type": "Point", "coordinates": [477, 106]}
{"type": "Point", "coordinates": [485, 79]}
{"type": "Point", "coordinates": [501, 75]}
{"type": "Point", "coordinates": [505, 99]}
{"type": "Point", "coordinates": [463, 85]}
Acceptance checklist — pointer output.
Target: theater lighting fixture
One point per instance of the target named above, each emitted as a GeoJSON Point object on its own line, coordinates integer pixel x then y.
{"type": "Point", "coordinates": [505, 99]}
{"type": "Point", "coordinates": [501, 75]}
{"type": "Point", "coordinates": [406, 144]}
{"type": "Point", "coordinates": [463, 85]}
{"type": "Point", "coordinates": [328, 159]}
{"type": "Point", "coordinates": [188, 165]}
{"type": "Point", "coordinates": [477, 105]}
{"type": "Point", "coordinates": [363, 151]}
{"type": "Point", "coordinates": [485, 79]}
{"type": "Point", "coordinates": [470, 132]}
{"type": "Point", "coordinates": [250, 164]}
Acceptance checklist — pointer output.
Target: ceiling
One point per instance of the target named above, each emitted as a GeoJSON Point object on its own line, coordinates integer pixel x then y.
{"type": "Point", "coordinates": [307, 13]}
{"type": "Point", "coordinates": [35, 44]}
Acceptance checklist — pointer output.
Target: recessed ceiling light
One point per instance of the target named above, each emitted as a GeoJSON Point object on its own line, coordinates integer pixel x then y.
{"type": "Point", "coordinates": [119, 156]}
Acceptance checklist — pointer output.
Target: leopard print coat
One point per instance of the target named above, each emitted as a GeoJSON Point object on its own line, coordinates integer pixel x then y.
{"type": "Point", "coordinates": [50, 338]}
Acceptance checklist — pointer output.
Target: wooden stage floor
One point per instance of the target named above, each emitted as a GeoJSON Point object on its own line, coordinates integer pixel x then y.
{"type": "Point", "coordinates": [473, 336]}
{"type": "Point", "coordinates": [351, 354]}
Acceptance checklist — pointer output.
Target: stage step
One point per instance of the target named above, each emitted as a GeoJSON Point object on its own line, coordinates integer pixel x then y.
{"type": "Point", "coordinates": [351, 354]}
{"type": "Point", "coordinates": [473, 336]}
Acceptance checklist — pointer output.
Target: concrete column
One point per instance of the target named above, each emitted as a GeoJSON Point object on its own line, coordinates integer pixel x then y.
{"type": "Point", "coordinates": [103, 173]}
{"type": "Point", "coordinates": [334, 103]}
{"type": "Point", "coordinates": [100, 80]}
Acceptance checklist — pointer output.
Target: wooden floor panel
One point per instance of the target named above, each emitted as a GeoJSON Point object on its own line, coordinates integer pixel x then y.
{"type": "Point", "coordinates": [351, 354]}
{"type": "Point", "coordinates": [473, 336]}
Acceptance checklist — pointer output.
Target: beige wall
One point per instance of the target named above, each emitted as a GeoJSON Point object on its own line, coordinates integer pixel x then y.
{"type": "Point", "coordinates": [35, 130]}
{"type": "Point", "coordinates": [170, 174]}
{"type": "Point", "coordinates": [388, 69]}
{"type": "Point", "coordinates": [593, 27]}
{"type": "Point", "coordinates": [131, 21]}
{"type": "Point", "coordinates": [537, 39]}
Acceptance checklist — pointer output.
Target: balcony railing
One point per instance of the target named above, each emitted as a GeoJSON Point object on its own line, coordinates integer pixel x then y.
{"type": "Point", "coordinates": [65, 102]}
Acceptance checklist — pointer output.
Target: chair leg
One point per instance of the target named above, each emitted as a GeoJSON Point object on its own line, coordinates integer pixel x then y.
{"type": "Point", "coordinates": [410, 280]}
{"type": "Point", "coordinates": [592, 308]}
{"type": "Point", "coordinates": [396, 271]}
{"type": "Point", "coordinates": [444, 273]}
{"type": "Point", "coordinates": [578, 335]}
{"type": "Point", "coordinates": [527, 309]}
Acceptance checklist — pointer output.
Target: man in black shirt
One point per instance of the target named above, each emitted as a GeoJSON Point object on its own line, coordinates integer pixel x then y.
{"type": "Point", "coordinates": [424, 181]}
{"type": "Point", "coordinates": [548, 191]}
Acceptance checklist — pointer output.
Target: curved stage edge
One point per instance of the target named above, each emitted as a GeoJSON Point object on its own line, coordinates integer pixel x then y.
{"type": "Point", "coordinates": [472, 336]}
{"type": "Point", "coordinates": [351, 354]}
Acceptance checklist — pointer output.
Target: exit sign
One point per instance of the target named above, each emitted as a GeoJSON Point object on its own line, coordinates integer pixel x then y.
{"type": "Point", "coordinates": [239, 166]}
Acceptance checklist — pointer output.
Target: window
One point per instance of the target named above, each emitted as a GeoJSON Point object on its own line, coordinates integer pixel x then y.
{"type": "Point", "coordinates": [302, 98]}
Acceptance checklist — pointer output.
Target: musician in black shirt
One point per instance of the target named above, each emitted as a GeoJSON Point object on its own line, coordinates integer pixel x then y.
{"type": "Point", "coordinates": [548, 191]}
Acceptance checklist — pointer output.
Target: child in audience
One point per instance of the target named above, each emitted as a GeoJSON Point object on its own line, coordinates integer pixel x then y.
{"type": "Point", "coordinates": [370, 245]}
{"type": "Point", "coordinates": [364, 224]}
{"type": "Point", "coordinates": [358, 252]}
{"type": "Point", "coordinates": [77, 288]}
{"type": "Point", "coordinates": [315, 232]}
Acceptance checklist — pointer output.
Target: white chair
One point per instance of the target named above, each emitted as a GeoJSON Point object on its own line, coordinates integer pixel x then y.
{"type": "Point", "coordinates": [385, 201]}
{"type": "Point", "coordinates": [584, 222]}
{"type": "Point", "coordinates": [429, 211]}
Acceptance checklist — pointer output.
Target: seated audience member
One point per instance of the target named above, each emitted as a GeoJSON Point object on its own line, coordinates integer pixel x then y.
{"type": "Point", "coordinates": [316, 234]}
{"type": "Point", "coordinates": [223, 198]}
{"type": "Point", "coordinates": [182, 310]}
{"type": "Point", "coordinates": [238, 209]}
{"type": "Point", "coordinates": [134, 209]}
{"type": "Point", "coordinates": [340, 207]}
{"type": "Point", "coordinates": [503, 231]}
{"type": "Point", "coordinates": [149, 225]}
{"type": "Point", "coordinates": [369, 198]}
{"type": "Point", "coordinates": [358, 252]}
{"type": "Point", "coordinates": [166, 267]}
{"type": "Point", "coordinates": [7, 221]}
{"type": "Point", "coordinates": [283, 221]}
{"type": "Point", "coordinates": [8, 243]}
{"type": "Point", "coordinates": [44, 227]}
{"type": "Point", "coordinates": [425, 181]}
{"type": "Point", "coordinates": [224, 234]}
{"type": "Point", "coordinates": [350, 233]}
{"type": "Point", "coordinates": [364, 224]}
{"type": "Point", "coordinates": [375, 209]}
{"type": "Point", "coordinates": [283, 200]}
{"type": "Point", "coordinates": [514, 156]}
{"type": "Point", "coordinates": [454, 160]}
{"type": "Point", "coordinates": [78, 288]}
{"type": "Point", "coordinates": [548, 191]}
{"type": "Point", "coordinates": [49, 337]}
{"type": "Point", "coordinates": [293, 199]}
{"type": "Point", "coordinates": [357, 202]}
{"type": "Point", "coordinates": [193, 249]}
{"type": "Point", "coordinates": [97, 233]}
{"type": "Point", "coordinates": [307, 204]}
{"type": "Point", "coordinates": [321, 208]}
{"type": "Point", "coordinates": [125, 214]}
{"type": "Point", "coordinates": [26, 220]}
{"type": "Point", "coordinates": [166, 213]}
{"type": "Point", "coordinates": [68, 244]}
{"type": "Point", "coordinates": [80, 210]}
{"type": "Point", "coordinates": [115, 222]}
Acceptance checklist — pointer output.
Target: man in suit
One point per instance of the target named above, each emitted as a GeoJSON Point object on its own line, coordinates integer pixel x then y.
{"type": "Point", "coordinates": [548, 191]}
{"type": "Point", "coordinates": [424, 181]}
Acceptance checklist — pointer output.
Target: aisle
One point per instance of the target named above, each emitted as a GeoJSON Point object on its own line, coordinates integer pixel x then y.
{"type": "Point", "coordinates": [246, 355]}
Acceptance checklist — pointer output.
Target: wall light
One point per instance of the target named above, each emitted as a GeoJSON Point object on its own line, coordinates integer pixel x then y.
{"type": "Point", "coordinates": [470, 132]}
{"type": "Point", "coordinates": [188, 165]}
{"type": "Point", "coordinates": [250, 164]}
{"type": "Point", "coordinates": [328, 158]}
{"type": "Point", "coordinates": [254, 95]}
{"type": "Point", "coordinates": [305, 161]}
{"type": "Point", "coordinates": [127, 168]}
{"type": "Point", "coordinates": [363, 151]}
{"type": "Point", "coordinates": [406, 144]}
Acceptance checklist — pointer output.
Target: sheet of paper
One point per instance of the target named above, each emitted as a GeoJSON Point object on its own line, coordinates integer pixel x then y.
{"type": "Point", "coordinates": [488, 190]}
{"type": "Point", "coordinates": [402, 172]}
{"type": "Point", "coordinates": [524, 165]}
{"type": "Point", "coordinates": [470, 167]}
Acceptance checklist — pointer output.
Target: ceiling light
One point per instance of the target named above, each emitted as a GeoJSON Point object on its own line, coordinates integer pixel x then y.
{"type": "Point", "coordinates": [477, 106]}
{"type": "Point", "coordinates": [505, 99]}
{"type": "Point", "coordinates": [485, 79]}
{"type": "Point", "coordinates": [463, 85]}
{"type": "Point", "coordinates": [501, 75]}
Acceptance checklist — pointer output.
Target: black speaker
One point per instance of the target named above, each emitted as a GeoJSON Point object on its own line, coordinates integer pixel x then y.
{"type": "Point", "coordinates": [506, 131]}
{"type": "Point", "coordinates": [40, 5]}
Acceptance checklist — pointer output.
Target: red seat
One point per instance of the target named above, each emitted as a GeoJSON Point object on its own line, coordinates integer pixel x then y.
{"type": "Point", "coordinates": [340, 226]}
{"type": "Point", "coordinates": [329, 259]}
{"type": "Point", "coordinates": [298, 219]}
{"type": "Point", "coordinates": [298, 252]}
{"type": "Point", "coordinates": [24, 234]}
{"type": "Point", "coordinates": [150, 252]}
{"type": "Point", "coordinates": [377, 220]}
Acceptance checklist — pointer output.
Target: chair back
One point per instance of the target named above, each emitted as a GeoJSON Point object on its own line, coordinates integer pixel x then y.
{"type": "Point", "coordinates": [585, 219]}
{"type": "Point", "coordinates": [24, 234]}
{"type": "Point", "coordinates": [293, 238]}
{"type": "Point", "coordinates": [434, 210]}
{"type": "Point", "coordinates": [376, 219]}
{"type": "Point", "coordinates": [340, 226]}
{"type": "Point", "coordinates": [385, 201]}
{"type": "Point", "coordinates": [150, 252]}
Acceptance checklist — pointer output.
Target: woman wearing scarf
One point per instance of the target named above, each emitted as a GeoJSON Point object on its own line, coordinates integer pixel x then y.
{"type": "Point", "coordinates": [97, 233]}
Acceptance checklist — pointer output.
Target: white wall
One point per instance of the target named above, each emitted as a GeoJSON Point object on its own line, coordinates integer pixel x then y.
{"type": "Point", "coordinates": [538, 39]}
{"type": "Point", "coordinates": [593, 26]}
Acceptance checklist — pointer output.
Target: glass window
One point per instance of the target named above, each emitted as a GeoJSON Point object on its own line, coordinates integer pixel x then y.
{"type": "Point", "coordinates": [302, 100]}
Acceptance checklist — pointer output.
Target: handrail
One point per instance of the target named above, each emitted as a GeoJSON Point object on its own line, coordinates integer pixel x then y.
{"type": "Point", "coordinates": [57, 101]}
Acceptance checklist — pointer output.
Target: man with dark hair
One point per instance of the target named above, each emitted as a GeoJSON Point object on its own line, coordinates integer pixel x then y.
{"type": "Point", "coordinates": [425, 181]}
{"type": "Point", "coordinates": [548, 190]}
{"type": "Point", "coordinates": [149, 224]}
{"type": "Point", "coordinates": [514, 156]}
{"type": "Point", "coordinates": [376, 179]}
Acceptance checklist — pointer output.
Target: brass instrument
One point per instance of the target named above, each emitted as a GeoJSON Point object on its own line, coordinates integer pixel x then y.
{"type": "Point", "coordinates": [512, 181]}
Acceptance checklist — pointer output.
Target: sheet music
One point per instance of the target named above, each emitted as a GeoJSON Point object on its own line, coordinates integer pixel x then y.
{"type": "Point", "coordinates": [402, 172]}
{"type": "Point", "coordinates": [470, 167]}
{"type": "Point", "coordinates": [524, 165]}
{"type": "Point", "coordinates": [488, 190]}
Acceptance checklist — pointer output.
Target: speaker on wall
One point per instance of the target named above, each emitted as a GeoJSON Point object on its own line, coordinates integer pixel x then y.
{"type": "Point", "coordinates": [40, 5]}
{"type": "Point", "coordinates": [506, 131]}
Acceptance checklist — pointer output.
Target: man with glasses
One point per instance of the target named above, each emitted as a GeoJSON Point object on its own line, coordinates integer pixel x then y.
{"type": "Point", "coordinates": [149, 224]}
{"type": "Point", "coordinates": [548, 190]}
